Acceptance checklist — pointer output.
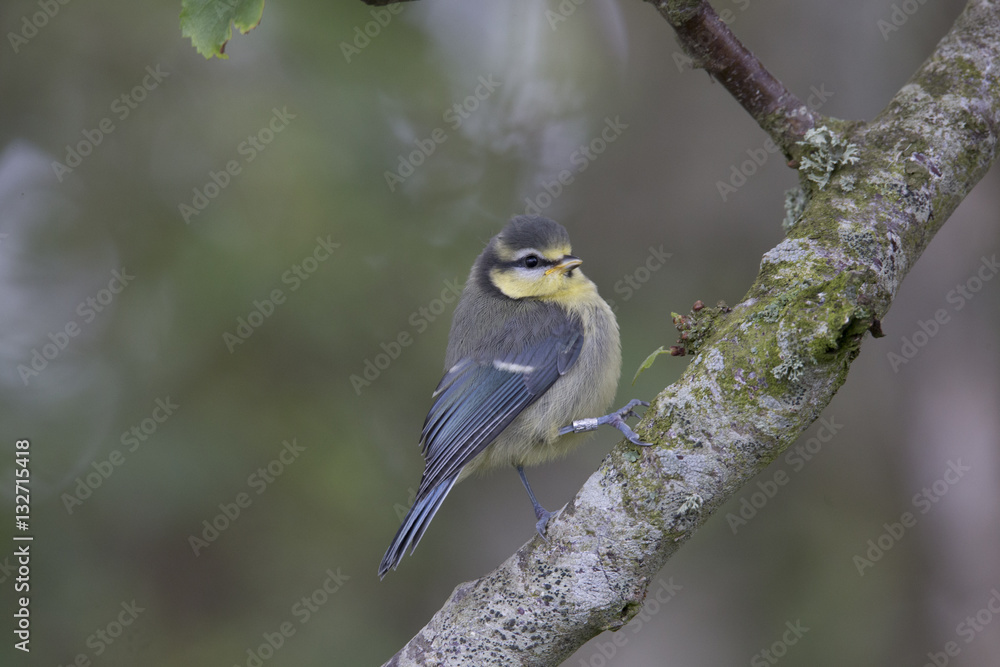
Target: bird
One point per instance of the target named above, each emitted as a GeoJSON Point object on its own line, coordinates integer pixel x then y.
{"type": "Point", "coordinates": [533, 353]}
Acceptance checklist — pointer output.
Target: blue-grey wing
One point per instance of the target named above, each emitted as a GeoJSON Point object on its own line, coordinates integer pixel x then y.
{"type": "Point", "coordinates": [479, 398]}
{"type": "Point", "coordinates": [476, 400]}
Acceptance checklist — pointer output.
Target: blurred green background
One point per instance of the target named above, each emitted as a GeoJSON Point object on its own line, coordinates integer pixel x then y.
{"type": "Point", "coordinates": [331, 113]}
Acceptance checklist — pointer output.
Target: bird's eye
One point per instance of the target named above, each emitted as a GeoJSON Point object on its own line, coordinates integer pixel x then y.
{"type": "Point", "coordinates": [531, 261]}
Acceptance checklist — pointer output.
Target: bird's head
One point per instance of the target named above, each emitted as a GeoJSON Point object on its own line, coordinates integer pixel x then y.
{"type": "Point", "coordinates": [532, 258]}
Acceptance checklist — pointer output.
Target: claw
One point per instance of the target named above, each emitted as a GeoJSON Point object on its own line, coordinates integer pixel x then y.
{"type": "Point", "coordinates": [542, 523]}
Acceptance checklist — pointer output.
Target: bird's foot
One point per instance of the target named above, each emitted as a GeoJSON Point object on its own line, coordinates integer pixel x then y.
{"type": "Point", "coordinates": [543, 521]}
{"type": "Point", "coordinates": [616, 419]}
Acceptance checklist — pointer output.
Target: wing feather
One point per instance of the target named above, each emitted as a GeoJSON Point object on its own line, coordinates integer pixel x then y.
{"type": "Point", "coordinates": [478, 398]}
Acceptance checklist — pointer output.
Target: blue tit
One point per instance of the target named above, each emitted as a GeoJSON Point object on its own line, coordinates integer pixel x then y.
{"type": "Point", "coordinates": [533, 354]}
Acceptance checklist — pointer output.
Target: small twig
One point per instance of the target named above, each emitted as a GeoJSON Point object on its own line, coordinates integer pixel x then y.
{"type": "Point", "coordinates": [712, 46]}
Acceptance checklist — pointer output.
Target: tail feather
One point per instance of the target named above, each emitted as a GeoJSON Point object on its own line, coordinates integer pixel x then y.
{"type": "Point", "coordinates": [414, 525]}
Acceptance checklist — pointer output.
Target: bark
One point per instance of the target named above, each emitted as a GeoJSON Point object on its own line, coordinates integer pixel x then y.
{"type": "Point", "coordinates": [874, 195]}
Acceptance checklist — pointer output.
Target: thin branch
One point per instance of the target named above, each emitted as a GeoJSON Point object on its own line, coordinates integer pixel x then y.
{"type": "Point", "coordinates": [760, 376]}
{"type": "Point", "coordinates": [712, 46]}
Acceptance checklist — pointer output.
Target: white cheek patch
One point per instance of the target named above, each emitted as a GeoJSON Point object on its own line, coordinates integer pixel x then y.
{"type": "Point", "coordinates": [512, 368]}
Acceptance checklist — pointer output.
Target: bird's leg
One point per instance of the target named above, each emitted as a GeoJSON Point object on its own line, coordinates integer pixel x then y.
{"type": "Point", "coordinates": [540, 512]}
{"type": "Point", "coordinates": [616, 419]}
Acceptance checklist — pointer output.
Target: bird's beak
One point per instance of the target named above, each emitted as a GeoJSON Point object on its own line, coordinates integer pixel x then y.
{"type": "Point", "coordinates": [568, 263]}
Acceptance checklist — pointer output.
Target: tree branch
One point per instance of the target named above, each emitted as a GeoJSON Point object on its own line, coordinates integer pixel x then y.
{"type": "Point", "coordinates": [875, 196]}
{"type": "Point", "coordinates": [712, 46]}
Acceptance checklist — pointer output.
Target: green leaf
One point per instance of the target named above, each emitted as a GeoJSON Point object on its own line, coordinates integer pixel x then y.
{"type": "Point", "coordinates": [649, 362]}
{"type": "Point", "coordinates": [209, 22]}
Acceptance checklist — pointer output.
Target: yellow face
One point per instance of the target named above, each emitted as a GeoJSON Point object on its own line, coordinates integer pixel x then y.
{"type": "Point", "coordinates": [540, 273]}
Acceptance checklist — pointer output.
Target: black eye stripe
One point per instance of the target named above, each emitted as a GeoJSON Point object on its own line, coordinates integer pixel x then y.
{"type": "Point", "coordinates": [519, 263]}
